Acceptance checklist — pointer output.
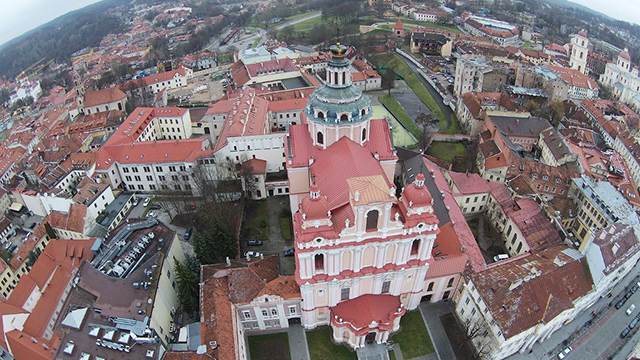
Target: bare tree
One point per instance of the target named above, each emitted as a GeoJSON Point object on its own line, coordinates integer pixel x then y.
{"type": "Point", "coordinates": [477, 332]}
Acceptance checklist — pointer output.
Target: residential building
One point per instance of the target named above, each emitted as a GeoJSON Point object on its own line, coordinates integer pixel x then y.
{"type": "Point", "coordinates": [501, 32]}
{"type": "Point", "coordinates": [554, 150]}
{"type": "Point", "coordinates": [598, 205]}
{"type": "Point", "coordinates": [154, 84]}
{"type": "Point", "coordinates": [474, 73]}
{"type": "Point", "coordinates": [511, 306]}
{"type": "Point", "coordinates": [430, 43]}
{"type": "Point", "coordinates": [100, 101]}
{"type": "Point", "coordinates": [474, 106]}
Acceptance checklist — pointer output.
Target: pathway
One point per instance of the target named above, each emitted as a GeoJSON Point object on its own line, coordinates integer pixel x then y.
{"type": "Point", "coordinates": [373, 352]}
{"type": "Point", "coordinates": [297, 21]}
{"type": "Point", "coordinates": [431, 315]}
{"type": "Point", "coordinates": [298, 347]}
{"type": "Point", "coordinates": [451, 137]}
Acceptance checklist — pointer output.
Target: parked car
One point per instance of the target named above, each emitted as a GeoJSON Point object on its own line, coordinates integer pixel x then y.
{"type": "Point", "coordinates": [187, 234]}
{"type": "Point", "coordinates": [136, 201]}
{"type": "Point", "coordinates": [633, 322]}
{"type": "Point", "coordinates": [289, 252]}
{"type": "Point", "coordinates": [252, 254]}
{"type": "Point", "coordinates": [152, 214]}
{"type": "Point", "coordinates": [500, 257]}
{"type": "Point", "coordinates": [620, 303]}
{"type": "Point", "coordinates": [564, 352]}
{"type": "Point", "coordinates": [146, 202]}
{"type": "Point", "coordinates": [630, 309]}
{"type": "Point", "coordinates": [625, 332]}
{"type": "Point", "coordinates": [628, 294]}
{"type": "Point", "coordinates": [255, 242]}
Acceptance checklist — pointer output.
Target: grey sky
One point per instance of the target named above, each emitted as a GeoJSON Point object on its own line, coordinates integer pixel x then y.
{"type": "Point", "coordinates": [20, 16]}
{"type": "Point", "coordinates": [628, 10]}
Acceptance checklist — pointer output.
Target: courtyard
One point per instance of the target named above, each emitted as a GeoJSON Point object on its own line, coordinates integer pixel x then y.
{"type": "Point", "coordinates": [412, 341]}
{"type": "Point", "coordinates": [489, 239]}
{"type": "Point", "coordinates": [269, 221]}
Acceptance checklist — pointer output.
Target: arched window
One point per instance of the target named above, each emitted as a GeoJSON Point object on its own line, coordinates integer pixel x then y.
{"type": "Point", "coordinates": [372, 220]}
{"type": "Point", "coordinates": [344, 78]}
{"type": "Point", "coordinates": [415, 246]}
{"type": "Point", "coordinates": [363, 112]}
{"type": "Point", "coordinates": [364, 134]}
{"type": "Point", "coordinates": [344, 117]}
{"type": "Point", "coordinates": [318, 261]}
{"type": "Point", "coordinates": [320, 115]}
{"type": "Point", "coordinates": [320, 138]}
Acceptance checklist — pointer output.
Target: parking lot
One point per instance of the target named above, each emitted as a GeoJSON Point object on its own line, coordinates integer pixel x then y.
{"type": "Point", "coordinates": [265, 221]}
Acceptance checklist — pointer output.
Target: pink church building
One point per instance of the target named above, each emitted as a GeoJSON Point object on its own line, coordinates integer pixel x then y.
{"type": "Point", "coordinates": [362, 250]}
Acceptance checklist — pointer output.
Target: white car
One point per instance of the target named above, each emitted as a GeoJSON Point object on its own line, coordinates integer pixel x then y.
{"type": "Point", "coordinates": [500, 257]}
{"type": "Point", "coordinates": [146, 202]}
{"type": "Point", "coordinates": [564, 352]}
{"type": "Point", "coordinates": [630, 309]}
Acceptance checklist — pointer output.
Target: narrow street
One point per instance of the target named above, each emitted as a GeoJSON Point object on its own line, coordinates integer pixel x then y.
{"type": "Point", "coordinates": [601, 339]}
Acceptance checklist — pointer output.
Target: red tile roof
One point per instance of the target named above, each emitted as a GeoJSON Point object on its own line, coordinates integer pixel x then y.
{"type": "Point", "coordinates": [526, 291]}
{"type": "Point", "coordinates": [359, 313]}
{"type": "Point", "coordinates": [50, 276]}
{"type": "Point", "coordinates": [103, 96]}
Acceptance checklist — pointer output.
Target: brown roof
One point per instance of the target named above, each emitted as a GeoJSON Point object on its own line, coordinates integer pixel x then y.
{"type": "Point", "coordinates": [103, 96]}
{"type": "Point", "coordinates": [223, 286]}
{"type": "Point", "coordinates": [526, 291]}
{"type": "Point", "coordinates": [617, 244]}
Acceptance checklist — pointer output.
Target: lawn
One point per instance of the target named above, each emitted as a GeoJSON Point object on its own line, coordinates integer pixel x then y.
{"type": "Point", "coordinates": [428, 24]}
{"type": "Point", "coordinates": [400, 114]}
{"type": "Point", "coordinates": [399, 135]}
{"type": "Point", "coordinates": [307, 25]}
{"type": "Point", "coordinates": [321, 346]}
{"type": "Point", "coordinates": [413, 337]}
{"type": "Point", "coordinates": [256, 224]}
{"type": "Point", "coordinates": [269, 347]}
{"type": "Point", "coordinates": [401, 68]}
{"type": "Point", "coordinates": [285, 226]}
{"type": "Point", "coordinates": [446, 151]}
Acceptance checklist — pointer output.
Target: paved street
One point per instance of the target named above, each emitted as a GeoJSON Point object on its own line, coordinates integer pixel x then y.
{"type": "Point", "coordinates": [431, 315]}
{"type": "Point", "coordinates": [600, 339]}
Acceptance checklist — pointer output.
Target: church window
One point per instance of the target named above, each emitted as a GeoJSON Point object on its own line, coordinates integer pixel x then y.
{"type": "Point", "coordinates": [385, 287]}
{"type": "Point", "coordinates": [320, 115]}
{"type": "Point", "coordinates": [364, 134]}
{"type": "Point", "coordinates": [344, 117]}
{"type": "Point", "coordinates": [372, 220]}
{"type": "Point", "coordinates": [320, 138]}
{"type": "Point", "coordinates": [415, 246]}
{"type": "Point", "coordinates": [344, 294]}
{"type": "Point", "coordinates": [319, 262]}
{"type": "Point", "coordinates": [363, 112]}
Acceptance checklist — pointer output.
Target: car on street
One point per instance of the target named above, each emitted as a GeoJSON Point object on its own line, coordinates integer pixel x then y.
{"type": "Point", "coordinates": [633, 322]}
{"type": "Point", "coordinates": [620, 303]}
{"type": "Point", "coordinates": [152, 214]}
{"type": "Point", "coordinates": [628, 294]}
{"type": "Point", "coordinates": [288, 252]}
{"type": "Point", "coordinates": [255, 242]}
{"type": "Point", "coordinates": [146, 202]}
{"type": "Point", "coordinates": [564, 352]}
{"type": "Point", "coordinates": [625, 332]}
{"type": "Point", "coordinates": [630, 309]}
{"type": "Point", "coordinates": [136, 201]}
{"type": "Point", "coordinates": [249, 254]}
{"type": "Point", "coordinates": [187, 234]}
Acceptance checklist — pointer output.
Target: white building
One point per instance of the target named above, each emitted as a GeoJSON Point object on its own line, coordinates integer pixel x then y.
{"type": "Point", "coordinates": [579, 51]}
{"type": "Point", "coordinates": [623, 80]}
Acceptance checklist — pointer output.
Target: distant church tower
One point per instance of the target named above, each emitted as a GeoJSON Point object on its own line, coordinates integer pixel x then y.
{"type": "Point", "coordinates": [579, 51]}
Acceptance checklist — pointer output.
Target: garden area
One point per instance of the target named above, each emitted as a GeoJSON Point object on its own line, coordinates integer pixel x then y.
{"type": "Point", "coordinates": [446, 151]}
{"type": "Point", "coordinates": [256, 224]}
{"type": "Point", "coordinates": [269, 347]}
{"type": "Point", "coordinates": [321, 346]}
{"type": "Point", "coordinates": [399, 135]}
{"type": "Point", "coordinates": [398, 65]}
{"type": "Point", "coordinates": [413, 338]}
{"type": "Point", "coordinates": [398, 112]}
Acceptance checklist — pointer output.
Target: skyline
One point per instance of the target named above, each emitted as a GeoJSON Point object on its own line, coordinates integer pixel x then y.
{"type": "Point", "coordinates": [26, 15]}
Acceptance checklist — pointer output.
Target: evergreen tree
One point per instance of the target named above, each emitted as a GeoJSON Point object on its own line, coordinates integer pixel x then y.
{"type": "Point", "coordinates": [188, 280]}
